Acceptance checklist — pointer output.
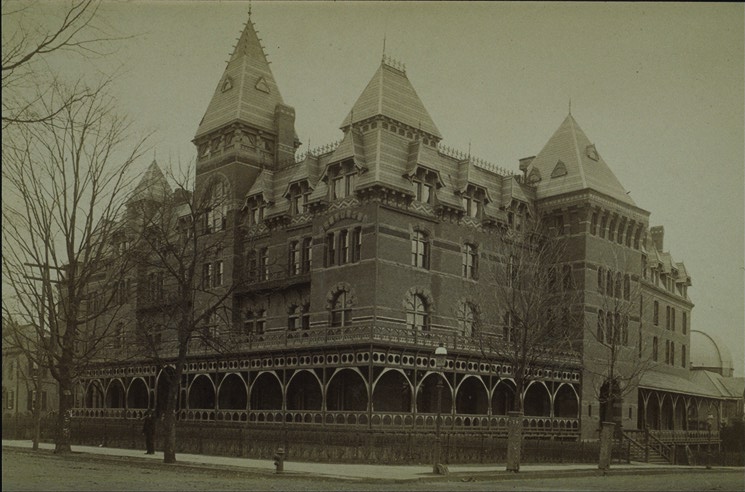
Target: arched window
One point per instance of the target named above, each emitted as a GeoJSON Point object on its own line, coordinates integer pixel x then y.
{"type": "Point", "coordinates": [683, 356]}
{"type": "Point", "coordinates": [341, 310]}
{"type": "Point", "coordinates": [655, 349]}
{"type": "Point", "coordinates": [601, 326]}
{"type": "Point", "coordinates": [656, 314]}
{"type": "Point", "coordinates": [601, 280]}
{"type": "Point", "coordinates": [467, 319]}
{"type": "Point", "coordinates": [419, 250]}
{"type": "Point", "coordinates": [417, 313]}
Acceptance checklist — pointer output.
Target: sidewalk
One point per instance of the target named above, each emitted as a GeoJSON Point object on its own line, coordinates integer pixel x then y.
{"type": "Point", "coordinates": [361, 471]}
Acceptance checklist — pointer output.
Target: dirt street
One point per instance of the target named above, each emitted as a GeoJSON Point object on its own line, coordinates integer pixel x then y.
{"type": "Point", "coordinates": [25, 471]}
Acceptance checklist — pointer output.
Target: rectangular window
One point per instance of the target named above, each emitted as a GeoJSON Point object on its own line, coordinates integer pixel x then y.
{"type": "Point", "coordinates": [264, 264]}
{"type": "Point", "coordinates": [672, 318]}
{"type": "Point", "coordinates": [219, 273]}
{"type": "Point", "coordinates": [685, 322]}
{"type": "Point", "coordinates": [207, 275]}
{"type": "Point", "coordinates": [672, 353]}
{"type": "Point", "coordinates": [683, 356]}
{"type": "Point", "coordinates": [343, 247]}
{"type": "Point", "coordinates": [294, 259]}
{"type": "Point", "coordinates": [594, 224]}
{"type": "Point", "coordinates": [356, 244]}
{"type": "Point", "coordinates": [253, 270]}
{"type": "Point", "coordinates": [419, 250]}
{"type": "Point", "coordinates": [667, 351]}
{"type": "Point", "coordinates": [307, 254]}
{"type": "Point", "coordinates": [350, 182]}
{"type": "Point", "coordinates": [339, 187]}
{"type": "Point", "coordinates": [655, 349]}
{"type": "Point", "coordinates": [656, 314]}
{"type": "Point", "coordinates": [330, 250]}
{"type": "Point", "coordinates": [469, 261]}
{"type": "Point", "coordinates": [667, 317]}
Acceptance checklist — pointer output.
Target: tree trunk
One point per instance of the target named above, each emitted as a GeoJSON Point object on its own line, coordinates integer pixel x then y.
{"type": "Point", "coordinates": [37, 417]}
{"type": "Point", "coordinates": [64, 417]}
{"type": "Point", "coordinates": [169, 440]}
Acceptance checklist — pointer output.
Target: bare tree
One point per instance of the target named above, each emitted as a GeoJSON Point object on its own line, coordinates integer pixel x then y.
{"type": "Point", "coordinates": [532, 295]}
{"type": "Point", "coordinates": [613, 361]}
{"type": "Point", "coordinates": [32, 37]}
{"type": "Point", "coordinates": [181, 263]}
{"type": "Point", "coordinates": [64, 180]}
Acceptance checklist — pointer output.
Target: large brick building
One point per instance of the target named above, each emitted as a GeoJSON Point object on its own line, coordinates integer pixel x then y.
{"type": "Point", "coordinates": [354, 261]}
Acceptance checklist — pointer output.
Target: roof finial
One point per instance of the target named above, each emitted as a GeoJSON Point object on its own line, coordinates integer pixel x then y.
{"type": "Point", "coordinates": [249, 9]}
{"type": "Point", "coordinates": [384, 35]}
{"type": "Point", "coordinates": [570, 106]}
{"type": "Point", "coordinates": [155, 155]}
{"type": "Point", "coordinates": [469, 150]}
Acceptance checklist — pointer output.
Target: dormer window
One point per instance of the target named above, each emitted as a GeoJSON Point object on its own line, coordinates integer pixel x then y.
{"type": "Point", "coordinates": [424, 183]}
{"type": "Point", "coordinates": [473, 201]}
{"type": "Point", "coordinates": [343, 181]}
{"type": "Point", "coordinates": [256, 208]}
{"type": "Point", "coordinates": [298, 196]}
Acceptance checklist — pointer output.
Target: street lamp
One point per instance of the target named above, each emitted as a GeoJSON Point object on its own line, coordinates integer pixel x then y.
{"type": "Point", "coordinates": [440, 355]}
{"type": "Point", "coordinates": [709, 421]}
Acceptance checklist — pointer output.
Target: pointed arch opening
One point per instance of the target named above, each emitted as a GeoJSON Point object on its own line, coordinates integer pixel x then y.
{"type": "Point", "coordinates": [202, 393]}
{"type": "Point", "coordinates": [138, 395]}
{"type": "Point", "coordinates": [304, 392]}
{"type": "Point", "coordinates": [392, 393]}
{"type": "Point", "coordinates": [566, 402]}
{"type": "Point", "coordinates": [346, 391]}
{"type": "Point", "coordinates": [266, 392]}
{"type": "Point", "coordinates": [115, 395]}
{"type": "Point", "coordinates": [232, 394]}
{"type": "Point", "coordinates": [503, 397]}
{"type": "Point", "coordinates": [426, 398]}
{"type": "Point", "coordinates": [472, 398]}
{"type": "Point", "coordinates": [537, 401]}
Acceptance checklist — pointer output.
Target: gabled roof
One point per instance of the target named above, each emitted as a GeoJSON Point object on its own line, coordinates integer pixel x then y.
{"type": "Point", "coordinates": [389, 93]}
{"type": "Point", "coordinates": [246, 91]}
{"type": "Point", "coordinates": [152, 186]}
{"type": "Point", "coordinates": [570, 162]}
{"type": "Point", "coordinates": [351, 147]}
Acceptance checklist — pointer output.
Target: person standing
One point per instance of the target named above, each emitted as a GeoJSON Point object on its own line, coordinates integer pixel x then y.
{"type": "Point", "coordinates": [148, 428]}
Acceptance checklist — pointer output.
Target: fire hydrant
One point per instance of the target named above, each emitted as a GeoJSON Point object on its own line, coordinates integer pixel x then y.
{"type": "Point", "coordinates": [279, 460]}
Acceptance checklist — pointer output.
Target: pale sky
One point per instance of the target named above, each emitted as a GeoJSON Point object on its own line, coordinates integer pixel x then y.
{"type": "Point", "coordinates": [657, 87]}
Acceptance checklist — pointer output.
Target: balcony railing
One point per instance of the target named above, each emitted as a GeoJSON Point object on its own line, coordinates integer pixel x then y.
{"type": "Point", "coordinates": [399, 335]}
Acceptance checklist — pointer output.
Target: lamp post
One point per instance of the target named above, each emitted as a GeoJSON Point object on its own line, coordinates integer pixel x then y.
{"type": "Point", "coordinates": [440, 355]}
{"type": "Point", "coordinates": [709, 422]}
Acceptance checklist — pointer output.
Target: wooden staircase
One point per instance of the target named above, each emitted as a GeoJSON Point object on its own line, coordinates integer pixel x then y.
{"type": "Point", "coordinates": [646, 448]}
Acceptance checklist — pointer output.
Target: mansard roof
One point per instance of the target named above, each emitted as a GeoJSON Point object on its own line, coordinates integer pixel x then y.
{"type": "Point", "coordinates": [389, 93]}
{"type": "Point", "coordinates": [247, 91]}
{"type": "Point", "coordinates": [152, 186]}
{"type": "Point", "coordinates": [570, 162]}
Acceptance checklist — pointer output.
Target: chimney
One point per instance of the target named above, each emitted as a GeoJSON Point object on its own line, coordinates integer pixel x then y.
{"type": "Point", "coordinates": [525, 163]}
{"type": "Point", "coordinates": [658, 234]}
{"type": "Point", "coordinates": [284, 123]}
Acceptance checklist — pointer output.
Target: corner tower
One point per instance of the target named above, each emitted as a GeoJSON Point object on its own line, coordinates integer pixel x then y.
{"type": "Point", "coordinates": [247, 126]}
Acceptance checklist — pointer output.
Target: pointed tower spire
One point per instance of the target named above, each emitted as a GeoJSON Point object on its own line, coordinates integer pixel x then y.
{"type": "Point", "coordinates": [390, 93]}
{"type": "Point", "coordinates": [247, 91]}
{"type": "Point", "coordinates": [570, 162]}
